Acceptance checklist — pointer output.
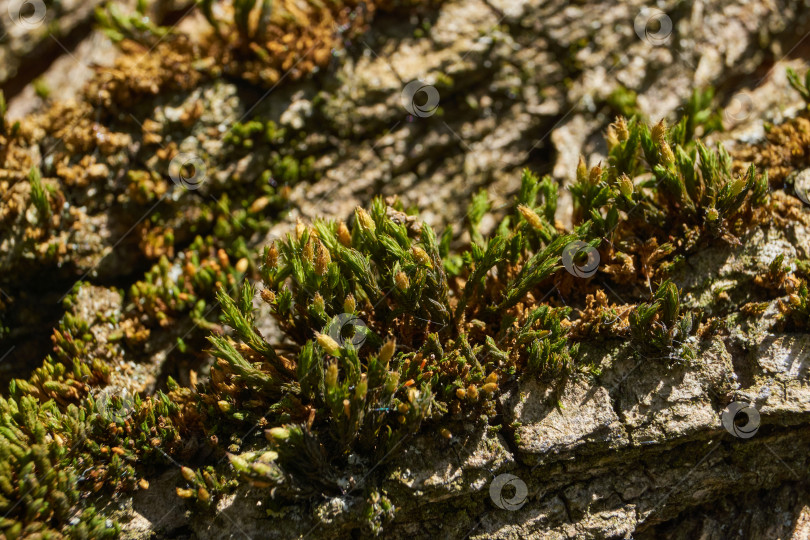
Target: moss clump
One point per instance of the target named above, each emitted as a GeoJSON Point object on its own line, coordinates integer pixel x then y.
{"type": "Point", "coordinates": [796, 308]}
{"type": "Point", "coordinates": [784, 150]}
{"type": "Point", "coordinates": [389, 331]}
{"type": "Point", "coordinates": [170, 291]}
{"type": "Point", "coordinates": [38, 197]}
{"type": "Point", "coordinates": [660, 325]}
{"type": "Point", "coordinates": [120, 138]}
{"type": "Point", "coordinates": [259, 41]}
{"type": "Point", "coordinates": [434, 335]}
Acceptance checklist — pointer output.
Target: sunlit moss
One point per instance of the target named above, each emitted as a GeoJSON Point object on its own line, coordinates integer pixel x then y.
{"type": "Point", "coordinates": [435, 331]}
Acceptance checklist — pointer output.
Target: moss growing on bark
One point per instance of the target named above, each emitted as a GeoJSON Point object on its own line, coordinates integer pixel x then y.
{"type": "Point", "coordinates": [389, 329]}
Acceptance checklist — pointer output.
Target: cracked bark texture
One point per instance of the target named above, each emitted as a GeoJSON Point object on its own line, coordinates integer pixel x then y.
{"type": "Point", "coordinates": [638, 451]}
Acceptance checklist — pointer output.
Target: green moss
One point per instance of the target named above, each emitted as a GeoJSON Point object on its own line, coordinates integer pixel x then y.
{"type": "Point", "coordinates": [38, 196]}
{"type": "Point", "coordinates": [624, 102]}
{"type": "Point", "coordinates": [801, 86]}
{"type": "Point", "coordinates": [432, 348]}
{"type": "Point", "coordinates": [660, 324]}
{"type": "Point", "coordinates": [443, 330]}
{"type": "Point", "coordinates": [136, 26]}
{"type": "Point", "coordinates": [187, 286]}
{"type": "Point", "coordinates": [41, 88]}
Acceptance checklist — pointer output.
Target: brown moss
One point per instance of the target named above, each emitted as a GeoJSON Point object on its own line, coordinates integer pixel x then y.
{"type": "Point", "coordinates": [785, 149]}
{"type": "Point", "coordinates": [600, 318]}
{"type": "Point", "coordinates": [141, 73]}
